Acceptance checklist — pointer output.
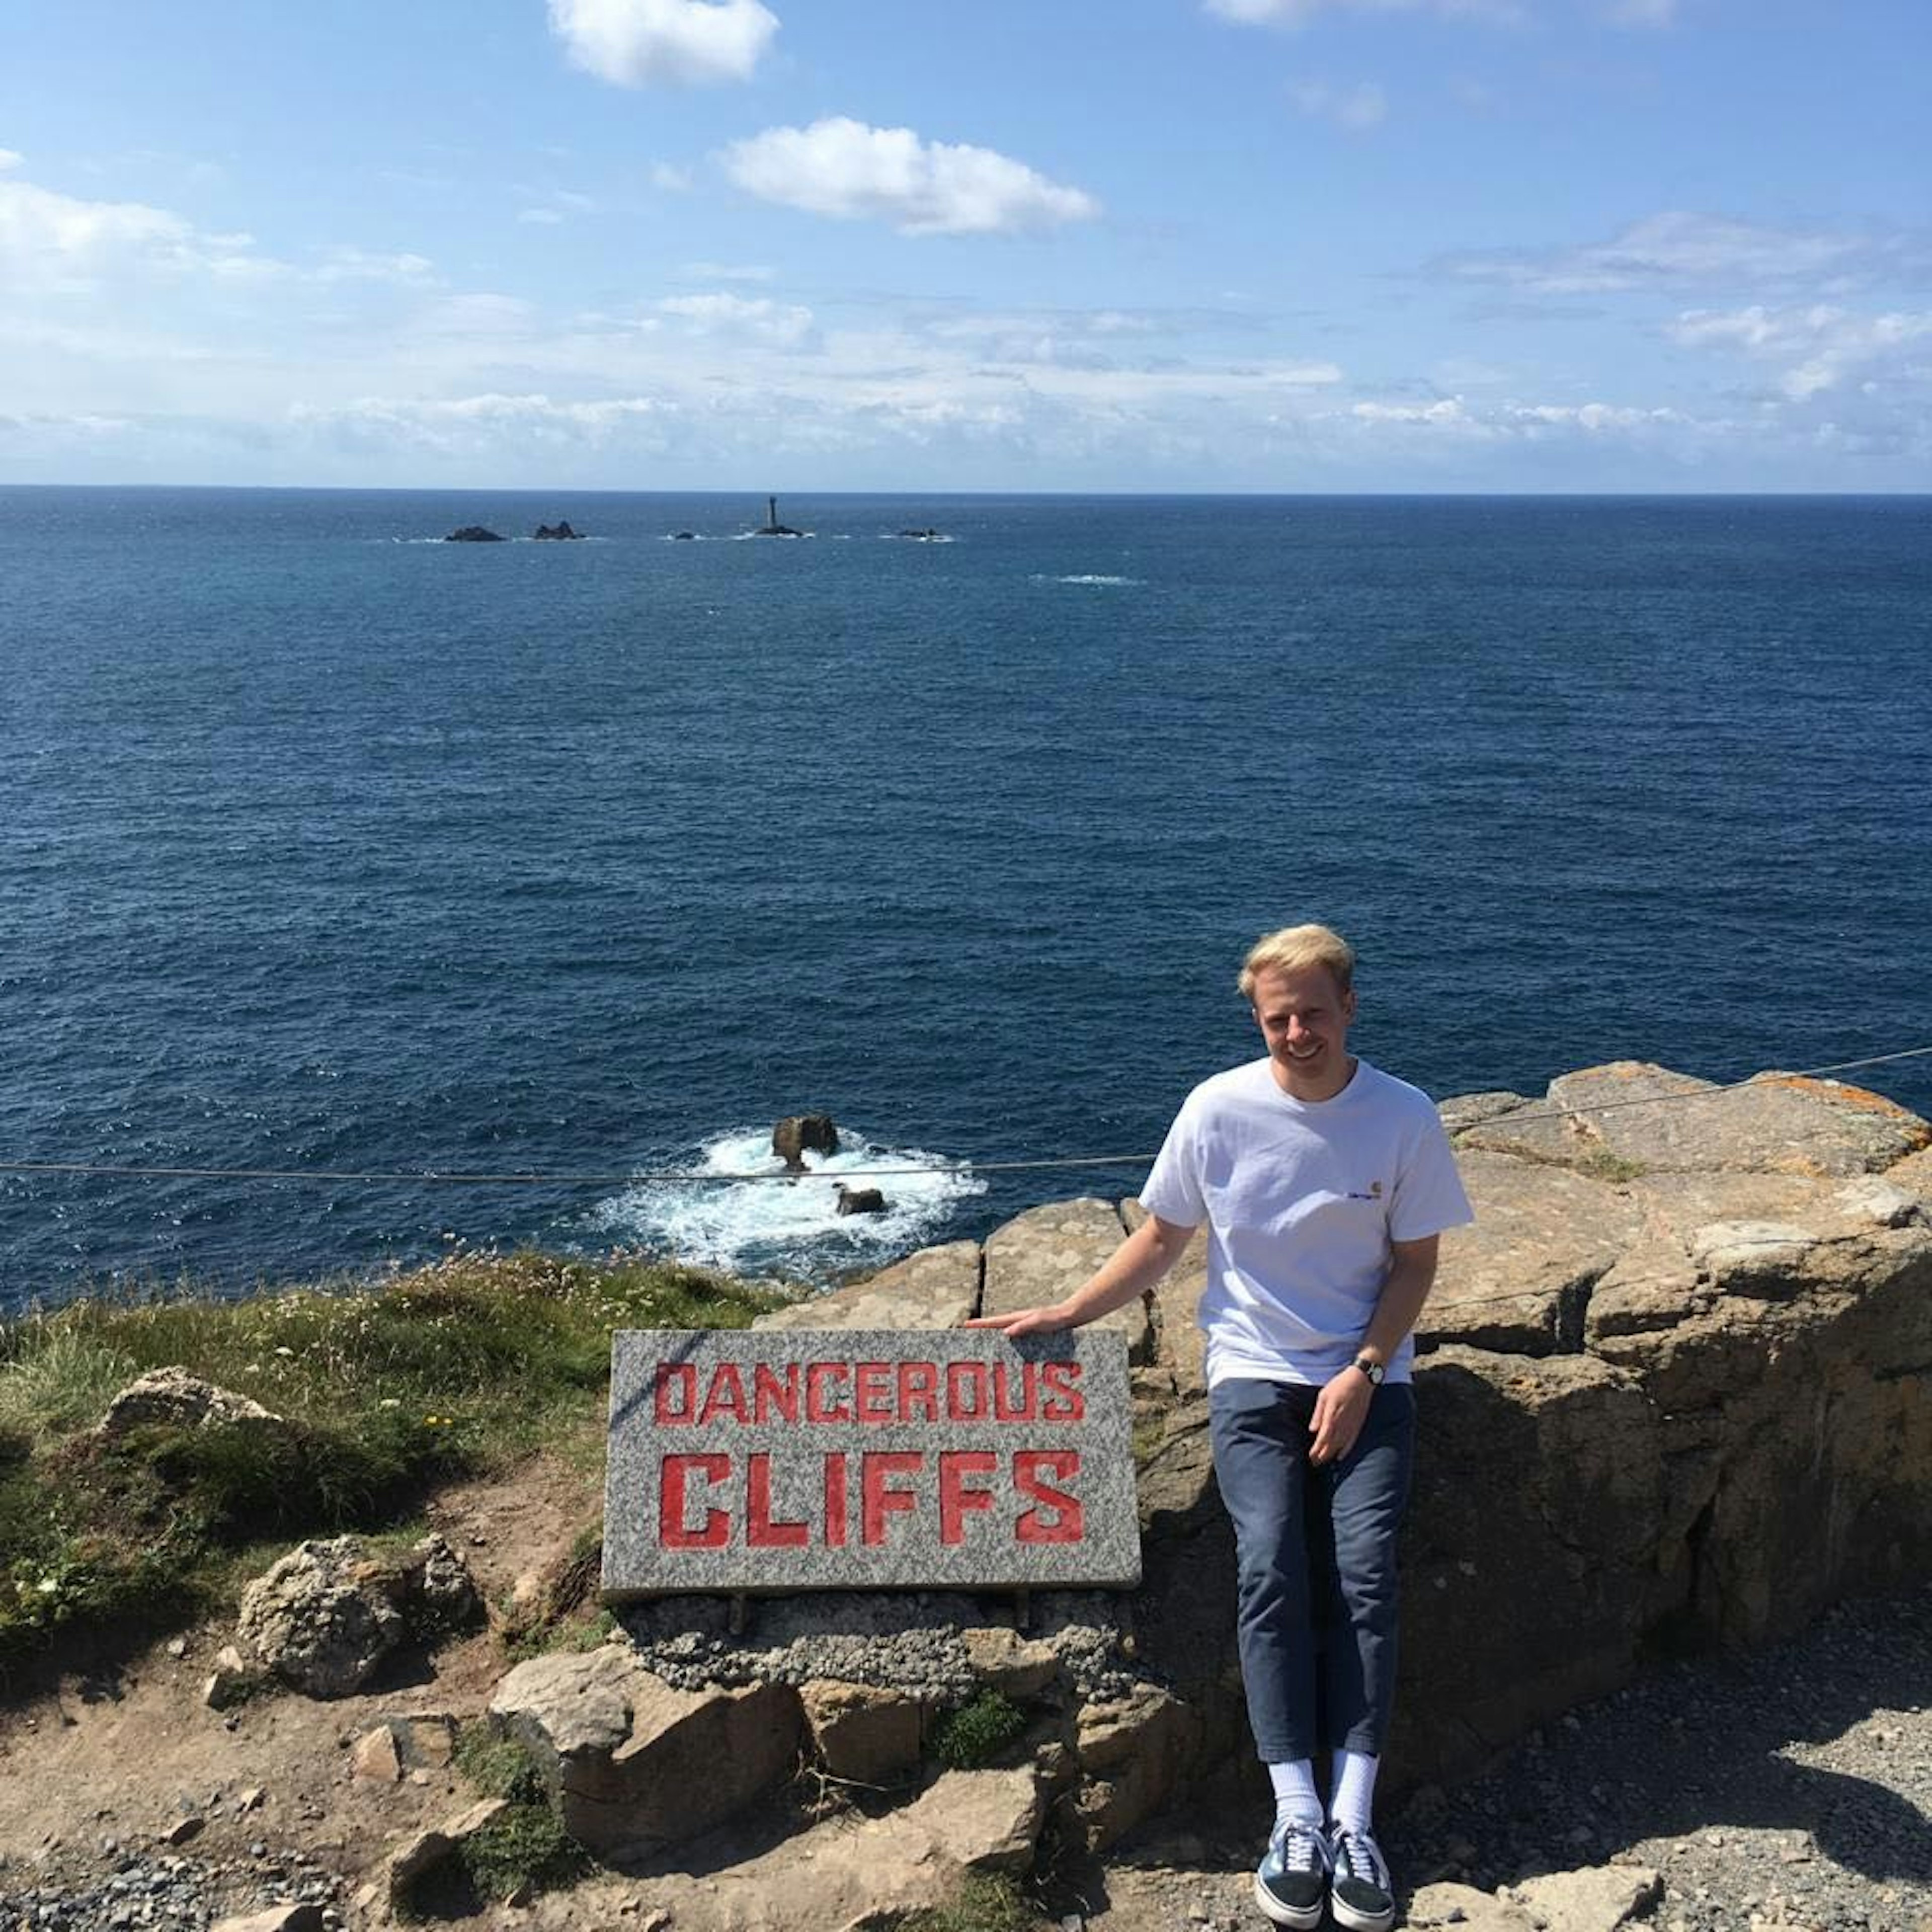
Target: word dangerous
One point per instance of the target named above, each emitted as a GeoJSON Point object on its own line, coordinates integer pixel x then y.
{"type": "Point", "coordinates": [867, 1392]}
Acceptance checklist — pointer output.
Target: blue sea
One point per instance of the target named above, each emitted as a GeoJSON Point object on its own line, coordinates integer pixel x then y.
{"type": "Point", "coordinates": [328, 845]}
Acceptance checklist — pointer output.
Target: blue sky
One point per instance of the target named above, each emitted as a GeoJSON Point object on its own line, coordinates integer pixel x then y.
{"type": "Point", "coordinates": [1021, 244]}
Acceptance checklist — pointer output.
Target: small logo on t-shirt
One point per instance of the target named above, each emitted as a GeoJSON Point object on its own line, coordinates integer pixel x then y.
{"type": "Point", "coordinates": [1375, 1192]}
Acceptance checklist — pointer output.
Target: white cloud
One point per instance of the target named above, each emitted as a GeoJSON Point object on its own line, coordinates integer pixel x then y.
{"type": "Point", "coordinates": [1594, 418]}
{"type": "Point", "coordinates": [1300, 12]}
{"type": "Point", "coordinates": [842, 167]}
{"type": "Point", "coordinates": [9, 157]}
{"type": "Point", "coordinates": [56, 243]}
{"type": "Point", "coordinates": [784, 324]}
{"type": "Point", "coordinates": [359, 265]}
{"type": "Point", "coordinates": [1106, 338]}
{"type": "Point", "coordinates": [1447, 413]}
{"type": "Point", "coordinates": [478, 317]}
{"type": "Point", "coordinates": [726, 271]}
{"type": "Point", "coordinates": [1456, 418]}
{"type": "Point", "coordinates": [550, 207]}
{"type": "Point", "coordinates": [455, 424]}
{"type": "Point", "coordinates": [1357, 108]}
{"type": "Point", "coordinates": [675, 42]}
{"type": "Point", "coordinates": [1677, 249]}
{"type": "Point", "coordinates": [1815, 349]}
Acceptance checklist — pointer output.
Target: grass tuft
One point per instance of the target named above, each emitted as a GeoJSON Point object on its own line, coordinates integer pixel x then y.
{"type": "Point", "coordinates": [978, 1731]}
{"type": "Point", "coordinates": [1600, 1164]}
{"type": "Point", "coordinates": [454, 1370]}
{"type": "Point", "coordinates": [524, 1852]}
{"type": "Point", "coordinates": [497, 1765]}
{"type": "Point", "coordinates": [982, 1904]}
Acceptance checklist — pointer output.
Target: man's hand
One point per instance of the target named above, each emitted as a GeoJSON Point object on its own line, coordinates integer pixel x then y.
{"type": "Point", "coordinates": [1340, 1410]}
{"type": "Point", "coordinates": [1049, 1320]}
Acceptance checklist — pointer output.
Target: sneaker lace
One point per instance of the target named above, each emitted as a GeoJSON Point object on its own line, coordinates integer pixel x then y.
{"type": "Point", "coordinates": [1357, 1856]}
{"type": "Point", "coordinates": [1301, 1846]}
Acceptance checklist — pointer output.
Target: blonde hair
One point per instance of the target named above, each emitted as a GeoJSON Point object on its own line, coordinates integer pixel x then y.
{"type": "Point", "coordinates": [1294, 949]}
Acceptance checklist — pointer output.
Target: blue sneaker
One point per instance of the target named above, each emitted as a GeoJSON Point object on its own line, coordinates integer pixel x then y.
{"type": "Point", "coordinates": [1359, 1890]}
{"type": "Point", "coordinates": [1291, 1884]}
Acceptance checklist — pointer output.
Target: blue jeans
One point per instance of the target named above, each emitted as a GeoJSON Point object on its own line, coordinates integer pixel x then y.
{"type": "Point", "coordinates": [1315, 1553]}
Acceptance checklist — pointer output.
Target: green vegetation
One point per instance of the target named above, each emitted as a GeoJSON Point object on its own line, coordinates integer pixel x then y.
{"type": "Point", "coordinates": [983, 1905]}
{"type": "Point", "coordinates": [1599, 1164]}
{"type": "Point", "coordinates": [455, 1369]}
{"type": "Point", "coordinates": [498, 1766]}
{"type": "Point", "coordinates": [556, 1620]}
{"type": "Point", "coordinates": [525, 1851]}
{"type": "Point", "coordinates": [978, 1731]}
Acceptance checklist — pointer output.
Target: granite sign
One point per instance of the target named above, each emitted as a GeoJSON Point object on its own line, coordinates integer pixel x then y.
{"type": "Point", "coordinates": [856, 1459]}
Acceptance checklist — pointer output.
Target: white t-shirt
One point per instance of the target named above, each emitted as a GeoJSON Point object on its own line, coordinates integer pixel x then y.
{"type": "Point", "coordinates": [1302, 1199]}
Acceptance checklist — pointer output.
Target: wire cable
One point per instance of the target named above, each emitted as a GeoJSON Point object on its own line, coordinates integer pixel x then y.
{"type": "Point", "coordinates": [668, 1177]}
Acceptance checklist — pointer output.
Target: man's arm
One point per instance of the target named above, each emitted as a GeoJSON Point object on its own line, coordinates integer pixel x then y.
{"type": "Point", "coordinates": [1132, 1269]}
{"type": "Point", "coordinates": [1343, 1406]}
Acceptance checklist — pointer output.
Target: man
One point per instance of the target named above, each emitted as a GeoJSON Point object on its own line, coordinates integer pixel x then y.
{"type": "Point", "coordinates": [1325, 1184]}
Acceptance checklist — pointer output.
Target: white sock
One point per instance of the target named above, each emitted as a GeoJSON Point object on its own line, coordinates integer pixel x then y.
{"type": "Point", "coordinates": [1296, 1800]}
{"type": "Point", "coordinates": [1354, 1803]}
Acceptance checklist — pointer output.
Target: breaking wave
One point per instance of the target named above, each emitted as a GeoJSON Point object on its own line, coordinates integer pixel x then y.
{"type": "Point", "coordinates": [790, 1228]}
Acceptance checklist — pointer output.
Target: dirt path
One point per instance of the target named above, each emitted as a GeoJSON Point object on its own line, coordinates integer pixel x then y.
{"type": "Point", "coordinates": [1791, 1789]}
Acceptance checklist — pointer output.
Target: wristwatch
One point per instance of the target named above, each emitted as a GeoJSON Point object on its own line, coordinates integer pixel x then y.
{"type": "Point", "coordinates": [1373, 1370]}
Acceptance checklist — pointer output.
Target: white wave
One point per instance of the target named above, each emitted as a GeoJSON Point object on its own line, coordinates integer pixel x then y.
{"type": "Point", "coordinates": [788, 1228]}
{"type": "Point", "coordinates": [1091, 577]}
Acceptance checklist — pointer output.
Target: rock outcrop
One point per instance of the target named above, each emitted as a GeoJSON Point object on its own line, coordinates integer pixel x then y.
{"type": "Point", "coordinates": [473, 533]}
{"type": "Point", "coordinates": [558, 533]}
{"type": "Point", "coordinates": [798, 1134]}
{"type": "Point", "coordinates": [632, 1763]}
{"type": "Point", "coordinates": [938, 1288]}
{"type": "Point", "coordinates": [1049, 1251]}
{"type": "Point", "coordinates": [324, 1618]}
{"type": "Point", "coordinates": [173, 1398]}
{"type": "Point", "coordinates": [1673, 1386]}
{"type": "Point", "coordinates": [1672, 1389]}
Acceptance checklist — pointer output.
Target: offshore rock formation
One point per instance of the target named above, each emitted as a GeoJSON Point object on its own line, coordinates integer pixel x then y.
{"type": "Point", "coordinates": [473, 533]}
{"type": "Point", "coordinates": [798, 1134]}
{"type": "Point", "coordinates": [771, 527]}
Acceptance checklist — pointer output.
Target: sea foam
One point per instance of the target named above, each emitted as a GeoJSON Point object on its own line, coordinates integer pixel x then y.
{"type": "Point", "coordinates": [790, 1228]}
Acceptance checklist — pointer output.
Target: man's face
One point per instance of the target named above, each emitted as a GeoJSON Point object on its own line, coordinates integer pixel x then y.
{"type": "Point", "coordinates": [1303, 1016]}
